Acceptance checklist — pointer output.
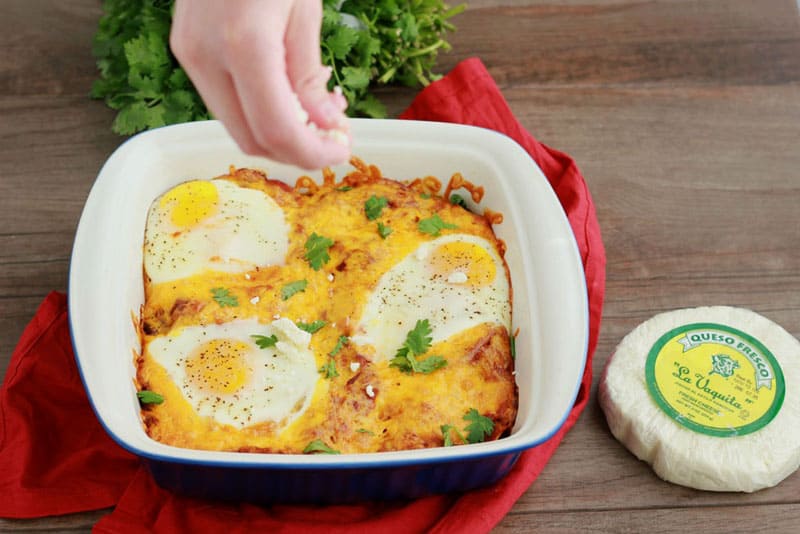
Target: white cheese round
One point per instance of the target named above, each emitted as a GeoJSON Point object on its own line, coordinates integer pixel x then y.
{"type": "Point", "coordinates": [709, 397]}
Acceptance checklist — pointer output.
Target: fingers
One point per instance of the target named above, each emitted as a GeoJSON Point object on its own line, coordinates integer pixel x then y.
{"type": "Point", "coordinates": [304, 66]}
{"type": "Point", "coordinates": [250, 64]}
{"type": "Point", "coordinates": [270, 106]}
{"type": "Point", "coordinates": [209, 77]}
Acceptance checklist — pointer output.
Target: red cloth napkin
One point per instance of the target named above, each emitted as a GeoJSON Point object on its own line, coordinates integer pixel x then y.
{"type": "Point", "coordinates": [55, 458]}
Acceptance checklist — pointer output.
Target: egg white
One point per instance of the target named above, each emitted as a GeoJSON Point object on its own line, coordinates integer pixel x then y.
{"type": "Point", "coordinates": [279, 380]}
{"type": "Point", "coordinates": [238, 230]}
{"type": "Point", "coordinates": [415, 289]}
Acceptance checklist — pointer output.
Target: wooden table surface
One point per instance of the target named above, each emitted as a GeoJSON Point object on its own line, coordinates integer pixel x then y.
{"type": "Point", "coordinates": [684, 116]}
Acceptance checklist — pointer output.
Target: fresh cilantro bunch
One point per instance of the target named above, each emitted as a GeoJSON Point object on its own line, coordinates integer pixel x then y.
{"type": "Point", "coordinates": [381, 42]}
{"type": "Point", "coordinates": [139, 76]}
{"type": "Point", "coordinates": [366, 42]}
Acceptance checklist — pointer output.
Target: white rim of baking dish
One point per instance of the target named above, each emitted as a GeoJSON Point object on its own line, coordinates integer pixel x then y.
{"type": "Point", "coordinates": [362, 129]}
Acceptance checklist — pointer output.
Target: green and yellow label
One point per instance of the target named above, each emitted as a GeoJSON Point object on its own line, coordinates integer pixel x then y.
{"type": "Point", "coordinates": [714, 379]}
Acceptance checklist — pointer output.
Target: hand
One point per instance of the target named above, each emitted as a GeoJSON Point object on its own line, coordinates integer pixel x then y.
{"type": "Point", "coordinates": [251, 60]}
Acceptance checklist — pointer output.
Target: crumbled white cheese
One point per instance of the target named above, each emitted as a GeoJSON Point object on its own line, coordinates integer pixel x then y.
{"type": "Point", "coordinates": [291, 333]}
{"type": "Point", "coordinates": [330, 277]}
{"type": "Point", "coordinates": [457, 277]}
{"type": "Point", "coordinates": [370, 391]}
{"type": "Point", "coordinates": [354, 366]}
{"type": "Point", "coordinates": [247, 276]}
{"type": "Point", "coordinates": [339, 134]}
{"type": "Point", "coordinates": [255, 300]}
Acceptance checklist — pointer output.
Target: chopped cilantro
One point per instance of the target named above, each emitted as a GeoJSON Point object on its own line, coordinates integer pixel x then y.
{"type": "Point", "coordinates": [318, 445]}
{"type": "Point", "coordinates": [344, 188]}
{"type": "Point", "coordinates": [408, 363]}
{"type": "Point", "coordinates": [418, 341]}
{"type": "Point", "coordinates": [149, 397]}
{"type": "Point", "coordinates": [425, 195]}
{"type": "Point", "coordinates": [365, 431]}
{"type": "Point", "coordinates": [329, 369]}
{"type": "Point", "coordinates": [317, 250]}
{"type": "Point", "coordinates": [448, 438]}
{"type": "Point", "coordinates": [384, 230]}
{"type": "Point", "coordinates": [265, 342]}
{"type": "Point", "coordinates": [341, 342]}
{"type": "Point", "coordinates": [479, 427]}
{"type": "Point", "coordinates": [458, 200]}
{"type": "Point", "coordinates": [374, 205]}
{"type": "Point", "coordinates": [311, 327]}
{"type": "Point", "coordinates": [512, 339]}
{"type": "Point", "coordinates": [223, 297]}
{"type": "Point", "coordinates": [434, 225]}
{"type": "Point", "coordinates": [293, 287]}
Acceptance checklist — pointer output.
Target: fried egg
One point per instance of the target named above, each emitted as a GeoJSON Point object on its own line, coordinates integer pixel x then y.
{"type": "Point", "coordinates": [455, 282]}
{"type": "Point", "coordinates": [212, 225]}
{"type": "Point", "coordinates": [224, 374]}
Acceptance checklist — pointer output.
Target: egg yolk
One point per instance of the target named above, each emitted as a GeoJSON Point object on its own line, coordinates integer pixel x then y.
{"type": "Point", "coordinates": [219, 366]}
{"type": "Point", "coordinates": [468, 259]}
{"type": "Point", "coordinates": [191, 202]}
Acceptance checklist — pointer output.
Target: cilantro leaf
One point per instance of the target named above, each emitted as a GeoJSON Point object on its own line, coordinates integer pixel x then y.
{"type": "Point", "coordinates": [402, 362]}
{"type": "Point", "coordinates": [365, 431]}
{"type": "Point", "coordinates": [317, 250]}
{"type": "Point", "coordinates": [341, 342]}
{"type": "Point", "coordinates": [374, 205]}
{"type": "Point", "coordinates": [311, 327]}
{"type": "Point", "coordinates": [318, 446]}
{"type": "Point", "coordinates": [408, 363]}
{"type": "Point", "coordinates": [370, 107]}
{"type": "Point", "coordinates": [329, 369]}
{"type": "Point", "coordinates": [458, 200]}
{"type": "Point", "coordinates": [479, 427]}
{"type": "Point", "coordinates": [418, 341]}
{"type": "Point", "coordinates": [341, 40]}
{"type": "Point", "coordinates": [356, 78]}
{"type": "Point", "coordinates": [149, 397]}
{"type": "Point", "coordinates": [430, 364]}
{"type": "Point", "coordinates": [292, 288]}
{"type": "Point", "coordinates": [446, 434]}
{"type": "Point", "coordinates": [135, 117]}
{"type": "Point", "coordinates": [384, 230]}
{"type": "Point", "coordinates": [344, 188]}
{"type": "Point", "coordinates": [434, 225]}
{"type": "Point", "coordinates": [223, 297]}
{"type": "Point", "coordinates": [448, 441]}
{"type": "Point", "coordinates": [265, 342]}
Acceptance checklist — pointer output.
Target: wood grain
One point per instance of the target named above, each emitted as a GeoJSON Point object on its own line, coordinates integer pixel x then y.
{"type": "Point", "coordinates": [684, 116]}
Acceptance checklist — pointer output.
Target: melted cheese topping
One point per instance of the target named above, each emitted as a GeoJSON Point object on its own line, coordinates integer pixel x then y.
{"type": "Point", "coordinates": [369, 405]}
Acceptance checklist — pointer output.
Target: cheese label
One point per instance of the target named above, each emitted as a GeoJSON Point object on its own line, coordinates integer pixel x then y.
{"type": "Point", "coordinates": [714, 379]}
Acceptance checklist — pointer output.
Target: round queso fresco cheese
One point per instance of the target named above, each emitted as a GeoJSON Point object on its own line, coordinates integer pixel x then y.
{"type": "Point", "coordinates": [709, 397]}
